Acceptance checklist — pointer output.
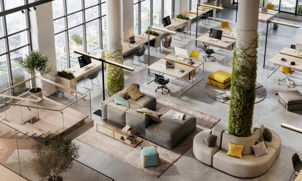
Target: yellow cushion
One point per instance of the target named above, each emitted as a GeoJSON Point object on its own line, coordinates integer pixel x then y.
{"type": "Point", "coordinates": [235, 150]}
{"type": "Point", "coordinates": [220, 76]}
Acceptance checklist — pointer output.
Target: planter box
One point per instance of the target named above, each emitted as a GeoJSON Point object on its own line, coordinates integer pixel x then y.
{"type": "Point", "coordinates": [68, 83]}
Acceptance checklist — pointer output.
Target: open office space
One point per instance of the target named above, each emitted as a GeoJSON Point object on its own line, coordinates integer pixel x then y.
{"type": "Point", "coordinates": [150, 90]}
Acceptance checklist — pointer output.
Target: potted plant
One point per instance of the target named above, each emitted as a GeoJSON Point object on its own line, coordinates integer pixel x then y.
{"type": "Point", "coordinates": [67, 79]}
{"type": "Point", "coordinates": [50, 161]}
{"type": "Point", "coordinates": [34, 63]}
{"type": "Point", "coordinates": [153, 42]}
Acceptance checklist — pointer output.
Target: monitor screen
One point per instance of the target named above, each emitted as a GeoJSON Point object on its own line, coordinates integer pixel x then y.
{"type": "Point", "coordinates": [217, 34]}
{"type": "Point", "coordinates": [83, 61]}
{"type": "Point", "coordinates": [132, 39]}
{"type": "Point", "coordinates": [166, 21]}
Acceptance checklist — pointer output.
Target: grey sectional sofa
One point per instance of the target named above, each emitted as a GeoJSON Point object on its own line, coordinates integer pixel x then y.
{"type": "Point", "coordinates": [167, 133]}
{"type": "Point", "coordinates": [247, 167]}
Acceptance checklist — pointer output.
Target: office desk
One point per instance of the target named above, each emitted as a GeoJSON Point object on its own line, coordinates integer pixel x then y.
{"type": "Point", "coordinates": [265, 17]}
{"type": "Point", "coordinates": [290, 52]}
{"type": "Point", "coordinates": [141, 40]}
{"type": "Point", "coordinates": [160, 67]}
{"type": "Point", "coordinates": [299, 177]}
{"type": "Point", "coordinates": [269, 11]}
{"type": "Point", "coordinates": [197, 62]}
{"type": "Point", "coordinates": [175, 23]}
{"type": "Point", "coordinates": [229, 45]}
{"type": "Point", "coordinates": [228, 34]}
{"type": "Point", "coordinates": [79, 73]}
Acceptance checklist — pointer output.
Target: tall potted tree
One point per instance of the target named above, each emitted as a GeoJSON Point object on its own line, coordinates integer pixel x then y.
{"type": "Point", "coordinates": [50, 161]}
{"type": "Point", "coordinates": [35, 63]}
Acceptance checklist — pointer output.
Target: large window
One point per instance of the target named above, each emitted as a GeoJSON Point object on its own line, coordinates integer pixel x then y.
{"type": "Point", "coordinates": [14, 44]}
{"type": "Point", "coordinates": [151, 12]}
{"type": "Point", "coordinates": [79, 25]}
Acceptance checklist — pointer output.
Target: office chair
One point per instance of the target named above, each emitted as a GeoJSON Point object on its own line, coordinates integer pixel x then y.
{"type": "Point", "coordinates": [181, 31]}
{"type": "Point", "coordinates": [204, 18]}
{"type": "Point", "coordinates": [225, 26]}
{"type": "Point", "coordinates": [209, 53]}
{"type": "Point", "coordinates": [293, 46]}
{"type": "Point", "coordinates": [167, 42]}
{"type": "Point", "coordinates": [297, 164]}
{"type": "Point", "coordinates": [159, 79]}
{"type": "Point", "coordinates": [194, 54]}
{"type": "Point", "coordinates": [140, 53]}
{"type": "Point", "coordinates": [270, 6]}
{"type": "Point", "coordinates": [287, 71]}
{"type": "Point", "coordinates": [92, 76]}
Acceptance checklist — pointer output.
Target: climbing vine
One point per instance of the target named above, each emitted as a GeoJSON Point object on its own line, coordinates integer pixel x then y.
{"type": "Point", "coordinates": [115, 75]}
{"type": "Point", "coordinates": [243, 93]}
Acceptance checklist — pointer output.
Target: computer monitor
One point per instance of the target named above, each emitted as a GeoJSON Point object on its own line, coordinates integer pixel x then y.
{"type": "Point", "coordinates": [217, 34]}
{"type": "Point", "coordinates": [84, 60]}
{"type": "Point", "coordinates": [132, 40]}
{"type": "Point", "coordinates": [166, 21]}
{"type": "Point", "coordinates": [180, 52]}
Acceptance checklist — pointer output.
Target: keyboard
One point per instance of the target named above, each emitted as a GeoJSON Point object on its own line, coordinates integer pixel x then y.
{"type": "Point", "coordinates": [180, 58]}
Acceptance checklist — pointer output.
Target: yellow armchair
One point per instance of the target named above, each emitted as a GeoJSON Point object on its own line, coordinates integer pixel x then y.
{"type": "Point", "coordinates": [287, 71]}
{"type": "Point", "coordinates": [194, 54]}
{"type": "Point", "coordinates": [270, 6]}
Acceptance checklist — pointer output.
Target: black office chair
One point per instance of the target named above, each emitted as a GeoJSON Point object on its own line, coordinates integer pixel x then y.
{"type": "Point", "coordinates": [209, 53]}
{"type": "Point", "coordinates": [297, 164]}
{"type": "Point", "coordinates": [204, 18]}
{"type": "Point", "coordinates": [140, 53]}
{"type": "Point", "coordinates": [293, 46]}
{"type": "Point", "coordinates": [159, 79]}
{"type": "Point", "coordinates": [181, 31]}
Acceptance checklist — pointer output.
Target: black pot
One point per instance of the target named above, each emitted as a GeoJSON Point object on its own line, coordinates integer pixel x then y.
{"type": "Point", "coordinates": [58, 179]}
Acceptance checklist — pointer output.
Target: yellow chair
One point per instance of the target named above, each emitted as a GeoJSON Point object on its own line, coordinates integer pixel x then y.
{"type": "Point", "coordinates": [270, 6]}
{"type": "Point", "coordinates": [287, 71]}
{"type": "Point", "coordinates": [194, 54]}
{"type": "Point", "coordinates": [225, 26]}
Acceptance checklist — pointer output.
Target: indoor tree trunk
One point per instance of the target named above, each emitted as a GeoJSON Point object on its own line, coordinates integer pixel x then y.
{"type": "Point", "coordinates": [244, 70]}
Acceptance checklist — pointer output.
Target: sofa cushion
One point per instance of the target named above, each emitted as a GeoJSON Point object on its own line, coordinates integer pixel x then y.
{"type": "Point", "coordinates": [110, 99]}
{"type": "Point", "coordinates": [201, 151]}
{"type": "Point", "coordinates": [246, 141]}
{"type": "Point", "coordinates": [235, 150]}
{"type": "Point", "coordinates": [247, 167]}
{"type": "Point", "coordinates": [145, 101]}
{"type": "Point", "coordinates": [259, 149]}
{"type": "Point", "coordinates": [275, 143]}
{"type": "Point", "coordinates": [210, 140]}
{"type": "Point", "coordinates": [267, 135]}
{"type": "Point", "coordinates": [291, 97]}
{"type": "Point", "coordinates": [121, 101]}
{"type": "Point", "coordinates": [261, 140]}
{"type": "Point", "coordinates": [152, 114]}
{"type": "Point", "coordinates": [168, 116]}
{"type": "Point", "coordinates": [116, 112]}
{"type": "Point", "coordinates": [137, 120]}
{"type": "Point", "coordinates": [218, 132]}
{"type": "Point", "coordinates": [134, 92]}
{"type": "Point", "coordinates": [259, 126]}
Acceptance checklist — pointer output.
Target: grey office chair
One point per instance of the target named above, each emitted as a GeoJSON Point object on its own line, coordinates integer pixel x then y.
{"type": "Point", "coordinates": [92, 76]}
{"type": "Point", "coordinates": [209, 53]}
{"type": "Point", "coordinates": [181, 32]}
{"type": "Point", "coordinates": [140, 53]}
{"type": "Point", "coordinates": [297, 164]}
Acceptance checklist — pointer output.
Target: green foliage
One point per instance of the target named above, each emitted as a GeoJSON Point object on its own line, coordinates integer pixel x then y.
{"type": "Point", "coordinates": [181, 16]}
{"type": "Point", "coordinates": [243, 93]}
{"type": "Point", "coordinates": [154, 33]}
{"type": "Point", "coordinates": [115, 75]}
{"type": "Point", "coordinates": [299, 9]}
{"type": "Point", "coordinates": [208, 3]}
{"type": "Point", "coordinates": [77, 39]}
{"type": "Point", "coordinates": [55, 158]}
{"type": "Point", "coordinates": [66, 75]}
{"type": "Point", "coordinates": [34, 63]}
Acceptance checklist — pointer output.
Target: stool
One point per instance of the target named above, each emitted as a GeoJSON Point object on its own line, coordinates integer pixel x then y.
{"type": "Point", "coordinates": [290, 100]}
{"type": "Point", "coordinates": [220, 79]}
{"type": "Point", "coordinates": [150, 157]}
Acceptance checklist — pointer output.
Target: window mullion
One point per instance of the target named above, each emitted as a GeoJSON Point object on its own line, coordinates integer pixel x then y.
{"type": "Point", "coordinates": [84, 28]}
{"type": "Point", "coordinates": [100, 26]}
{"type": "Point", "coordinates": [66, 34]}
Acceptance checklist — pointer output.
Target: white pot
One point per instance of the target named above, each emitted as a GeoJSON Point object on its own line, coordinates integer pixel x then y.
{"type": "Point", "coordinates": [36, 94]}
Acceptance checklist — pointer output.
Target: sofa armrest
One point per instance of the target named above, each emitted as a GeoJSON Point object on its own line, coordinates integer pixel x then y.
{"type": "Point", "coordinates": [116, 112]}
{"type": "Point", "coordinates": [218, 132]}
{"type": "Point", "coordinates": [109, 100]}
{"type": "Point", "coordinates": [137, 120]}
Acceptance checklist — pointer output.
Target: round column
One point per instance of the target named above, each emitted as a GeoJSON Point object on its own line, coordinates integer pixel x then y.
{"type": "Point", "coordinates": [244, 70]}
{"type": "Point", "coordinates": [114, 51]}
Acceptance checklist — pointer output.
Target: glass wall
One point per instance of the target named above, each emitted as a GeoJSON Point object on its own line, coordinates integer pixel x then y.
{"type": "Point", "coordinates": [15, 43]}
{"type": "Point", "coordinates": [79, 25]}
{"type": "Point", "coordinates": [151, 12]}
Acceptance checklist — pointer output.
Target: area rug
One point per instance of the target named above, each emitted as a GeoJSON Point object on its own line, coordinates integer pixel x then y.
{"type": "Point", "coordinates": [131, 155]}
{"type": "Point", "coordinates": [212, 92]}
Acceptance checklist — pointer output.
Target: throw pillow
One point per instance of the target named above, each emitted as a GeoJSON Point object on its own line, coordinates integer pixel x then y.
{"type": "Point", "coordinates": [235, 150]}
{"type": "Point", "coordinates": [267, 135]}
{"type": "Point", "coordinates": [261, 140]}
{"type": "Point", "coordinates": [121, 101]}
{"type": "Point", "coordinates": [134, 92]}
{"type": "Point", "coordinates": [259, 149]}
{"type": "Point", "coordinates": [152, 114]}
{"type": "Point", "coordinates": [210, 140]}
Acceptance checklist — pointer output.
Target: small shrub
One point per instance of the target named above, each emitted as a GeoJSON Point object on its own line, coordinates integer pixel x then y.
{"type": "Point", "coordinates": [66, 75]}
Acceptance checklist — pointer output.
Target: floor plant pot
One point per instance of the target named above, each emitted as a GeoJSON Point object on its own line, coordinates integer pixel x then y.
{"type": "Point", "coordinates": [37, 93]}
{"type": "Point", "coordinates": [58, 179]}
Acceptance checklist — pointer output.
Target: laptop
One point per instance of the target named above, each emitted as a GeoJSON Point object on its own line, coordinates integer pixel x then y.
{"type": "Point", "coordinates": [181, 53]}
{"type": "Point", "coordinates": [264, 9]}
{"type": "Point", "coordinates": [132, 40]}
{"type": "Point", "coordinates": [170, 64]}
{"type": "Point", "coordinates": [299, 48]}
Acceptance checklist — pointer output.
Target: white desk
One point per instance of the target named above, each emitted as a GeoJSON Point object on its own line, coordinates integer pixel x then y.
{"type": "Point", "coordinates": [224, 43]}
{"type": "Point", "coordinates": [140, 40]}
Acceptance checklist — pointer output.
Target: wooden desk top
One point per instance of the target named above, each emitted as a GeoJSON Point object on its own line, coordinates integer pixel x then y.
{"type": "Point", "coordinates": [197, 62]}
{"type": "Point", "coordinates": [228, 34]}
{"type": "Point", "coordinates": [269, 11]}
{"type": "Point", "coordinates": [81, 72]}
{"type": "Point", "coordinates": [290, 52]}
{"type": "Point", "coordinates": [276, 60]}
{"type": "Point", "coordinates": [175, 23]}
{"type": "Point", "coordinates": [140, 39]}
{"type": "Point", "coordinates": [220, 43]}
{"type": "Point", "coordinates": [160, 66]}
{"type": "Point", "coordinates": [264, 17]}
{"type": "Point", "coordinates": [299, 177]}
{"type": "Point", "coordinates": [201, 10]}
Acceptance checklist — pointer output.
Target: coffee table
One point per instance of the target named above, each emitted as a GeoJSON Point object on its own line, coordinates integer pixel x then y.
{"type": "Point", "coordinates": [113, 129]}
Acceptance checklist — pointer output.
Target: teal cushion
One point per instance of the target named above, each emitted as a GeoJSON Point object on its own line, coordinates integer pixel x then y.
{"type": "Point", "coordinates": [267, 135]}
{"type": "Point", "coordinates": [121, 101]}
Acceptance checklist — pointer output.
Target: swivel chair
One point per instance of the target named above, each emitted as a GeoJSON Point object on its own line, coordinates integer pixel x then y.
{"type": "Point", "coordinates": [209, 53]}
{"type": "Point", "coordinates": [159, 79]}
{"type": "Point", "coordinates": [194, 54]}
{"type": "Point", "coordinates": [140, 53]}
{"type": "Point", "coordinates": [204, 18]}
{"type": "Point", "coordinates": [287, 71]}
{"type": "Point", "coordinates": [181, 32]}
{"type": "Point", "coordinates": [297, 164]}
{"type": "Point", "coordinates": [270, 6]}
{"type": "Point", "coordinates": [225, 26]}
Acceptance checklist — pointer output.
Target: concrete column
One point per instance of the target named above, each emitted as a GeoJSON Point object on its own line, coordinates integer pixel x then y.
{"type": "Point", "coordinates": [184, 6]}
{"type": "Point", "coordinates": [42, 34]}
{"type": "Point", "coordinates": [114, 52]}
{"type": "Point", "coordinates": [128, 19]}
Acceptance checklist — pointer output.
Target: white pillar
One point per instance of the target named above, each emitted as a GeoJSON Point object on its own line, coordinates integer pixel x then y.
{"type": "Point", "coordinates": [184, 6]}
{"type": "Point", "coordinates": [115, 75]}
{"type": "Point", "coordinates": [42, 34]}
{"type": "Point", "coordinates": [128, 19]}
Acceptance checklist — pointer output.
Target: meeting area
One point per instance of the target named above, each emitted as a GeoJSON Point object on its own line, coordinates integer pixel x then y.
{"type": "Point", "coordinates": [168, 90]}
